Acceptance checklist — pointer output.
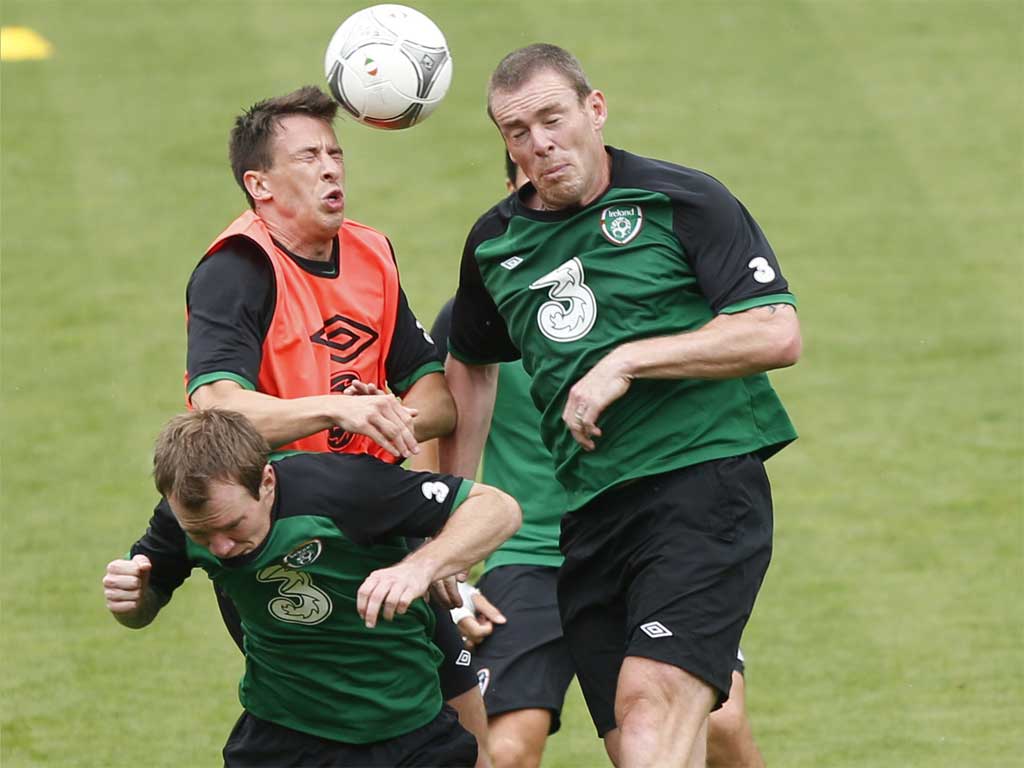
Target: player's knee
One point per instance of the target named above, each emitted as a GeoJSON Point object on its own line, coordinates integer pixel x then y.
{"type": "Point", "coordinates": [509, 751]}
{"type": "Point", "coordinates": [639, 710]}
{"type": "Point", "coordinates": [726, 724]}
{"type": "Point", "coordinates": [730, 742]}
{"type": "Point", "coordinates": [644, 696]}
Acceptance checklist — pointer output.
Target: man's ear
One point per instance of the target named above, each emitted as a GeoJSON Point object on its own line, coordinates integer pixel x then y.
{"type": "Point", "coordinates": [256, 184]}
{"type": "Point", "coordinates": [598, 109]}
{"type": "Point", "coordinates": [268, 481]}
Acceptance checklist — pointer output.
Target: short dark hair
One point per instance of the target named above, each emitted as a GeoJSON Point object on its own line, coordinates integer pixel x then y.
{"type": "Point", "coordinates": [249, 146]}
{"type": "Point", "coordinates": [201, 446]}
{"type": "Point", "coordinates": [523, 63]}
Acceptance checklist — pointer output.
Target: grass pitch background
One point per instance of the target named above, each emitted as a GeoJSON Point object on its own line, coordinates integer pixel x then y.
{"type": "Point", "coordinates": [880, 146]}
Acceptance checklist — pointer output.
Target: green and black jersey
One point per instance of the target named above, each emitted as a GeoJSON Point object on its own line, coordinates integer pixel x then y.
{"type": "Point", "coordinates": [310, 662]}
{"type": "Point", "coordinates": [516, 461]}
{"type": "Point", "coordinates": [661, 252]}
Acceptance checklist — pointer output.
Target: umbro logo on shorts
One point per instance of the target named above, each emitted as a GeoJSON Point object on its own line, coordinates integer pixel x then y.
{"type": "Point", "coordinates": [656, 629]}
{"type": "Point", "coordinates": [464, 658]}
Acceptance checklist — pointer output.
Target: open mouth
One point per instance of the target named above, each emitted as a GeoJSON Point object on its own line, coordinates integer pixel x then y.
{"type": "Point", "coordinates": [335, 199]}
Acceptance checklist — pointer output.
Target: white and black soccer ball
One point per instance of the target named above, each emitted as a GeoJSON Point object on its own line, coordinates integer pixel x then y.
{"type": "Point", "coordinates": [388, 66]}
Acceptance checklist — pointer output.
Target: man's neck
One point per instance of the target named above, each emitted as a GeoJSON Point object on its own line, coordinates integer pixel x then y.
{"type": "Point", "coordinates": [314, 249]}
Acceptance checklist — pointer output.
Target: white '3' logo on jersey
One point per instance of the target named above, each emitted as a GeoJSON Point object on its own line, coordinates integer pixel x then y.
{"type": "Point", "coordinates": [435, 490]}
{"type": "Point", "coordinates": [763, 271]}
{"type": "Point", "coordinates": [300, 601]}
{"type": "Point", "coordinates": [573, 309]}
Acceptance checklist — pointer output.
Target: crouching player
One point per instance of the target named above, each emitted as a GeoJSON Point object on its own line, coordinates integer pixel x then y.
{"type": "Point", "coordinates": [310, 550]}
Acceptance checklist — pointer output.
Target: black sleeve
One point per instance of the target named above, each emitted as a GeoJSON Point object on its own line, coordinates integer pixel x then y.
{"type": "Point", "coordinates": [391, 501]}
{"type": "Point", "coordinates": [478, 333]}
{"type": "Point", "coordinates": [164, 544]}
{"type": "Point", "coordinates": [368, 499]}
{"type": "Point", "coordinates": [726, 248]}
{"type": "Point", "coordinates": [411, 348]}
{"type": "Point", "coordinates": [230, 300]}
{"type": "Point", "coordinates": [442, 326]}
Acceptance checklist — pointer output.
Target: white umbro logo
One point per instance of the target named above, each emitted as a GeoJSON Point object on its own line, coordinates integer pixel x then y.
{"type": "Point", "coordinates": [656, 629]}
{"type": "Point", "coordinates": [464, 658]}
{"type": "Point", "coordinates": [512, 263]}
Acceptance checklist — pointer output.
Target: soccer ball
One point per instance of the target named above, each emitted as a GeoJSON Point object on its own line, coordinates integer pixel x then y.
{"type": "Point", "coordinates": [389, 66]}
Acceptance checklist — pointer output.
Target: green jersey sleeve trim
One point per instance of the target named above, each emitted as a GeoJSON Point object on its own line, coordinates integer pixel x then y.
{"type": "Point", "coordinates": [278, 455]}
{"type": "Point", "coordinates": [460, 496]}
{"type": "Point", "coordinates": [403, 386]}
{"type": "Point", "coordinates": [760, 301]}
{"type": "Point", "coordinates": [209, 378]}
{"type": "Point", "coordinates": [469, 360]}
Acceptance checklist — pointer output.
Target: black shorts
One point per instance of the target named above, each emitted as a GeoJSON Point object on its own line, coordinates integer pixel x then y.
{"type": "Point", "coordinates": [667, 568]}
{"type": "Point", "coordinates": [457, 672]}
{"type": "Point", "coordinates": [256, 743]}
{"type": "Point", "coordinates": [524, 663]}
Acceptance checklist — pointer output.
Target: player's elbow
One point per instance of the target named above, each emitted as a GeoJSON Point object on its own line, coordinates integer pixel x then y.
{"type": "Point", "coordinates": [508, 513]}
{"type": "Point", "coordinates": [786, 344]}
{"type": "Point", "coordinates": [448, 415]}
{"type": "Point", "coordinates": [216, 394]}
{"type": "Point", "coordinates": [791, 346]}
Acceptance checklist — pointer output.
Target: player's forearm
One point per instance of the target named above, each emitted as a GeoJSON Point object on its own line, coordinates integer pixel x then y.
{"type": "Point", "coordinates": [436, 407]}
{"type": "Point", "coordinates": [144, 613]}
{"type": "Point", "coordinates": [478, 527]}
{"type": "Point", "coordinates": [729, 346]}
{"type": "Point", "coordinates": [473, 388]}
{"type": "Point", "coordinates": [280, 421]}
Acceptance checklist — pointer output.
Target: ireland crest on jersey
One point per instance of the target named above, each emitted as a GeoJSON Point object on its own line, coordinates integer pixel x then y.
{"type": "Point", "coordinates": [621, 223]}
{"type": "Point", "coordinates": [304, 554]}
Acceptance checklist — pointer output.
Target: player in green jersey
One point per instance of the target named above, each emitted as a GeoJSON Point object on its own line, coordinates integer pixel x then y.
{"type": "Point", "coordinates": [311, 551]}
{"type": "Point", "coordinates": [523, 659]}
{"type": "Point", "coordinates": [646, 305]}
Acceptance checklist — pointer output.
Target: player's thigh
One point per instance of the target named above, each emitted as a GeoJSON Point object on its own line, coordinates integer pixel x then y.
{"type": "Point", "coordinates": [693, 582]}
{"type": "Point", "coordinates": [591, 602]}
{"type": "Point", "coordinates": [256, 743]}
{"type": "Point", "coordinates": [442, 743]}
{"type": "Point", "coordinates": [525, 663]}
{"type": "Point", "coordinates": [457, 672]}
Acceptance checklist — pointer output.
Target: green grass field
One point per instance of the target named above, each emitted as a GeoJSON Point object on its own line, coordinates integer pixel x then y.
{"type": "Point", "coordinates": [879, 144]}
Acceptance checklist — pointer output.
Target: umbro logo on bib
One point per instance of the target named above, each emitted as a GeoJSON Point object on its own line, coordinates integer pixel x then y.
{"type": "Point", "coordinates": [655, 629]}
{"type": "Point", "coordinates": [512, 263]}
{"type": "Point", "coordinates": [621, 223]}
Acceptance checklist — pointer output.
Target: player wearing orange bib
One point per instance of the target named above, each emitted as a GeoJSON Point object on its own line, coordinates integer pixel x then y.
{"type": "Point", "coordinates": [296, 319]}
